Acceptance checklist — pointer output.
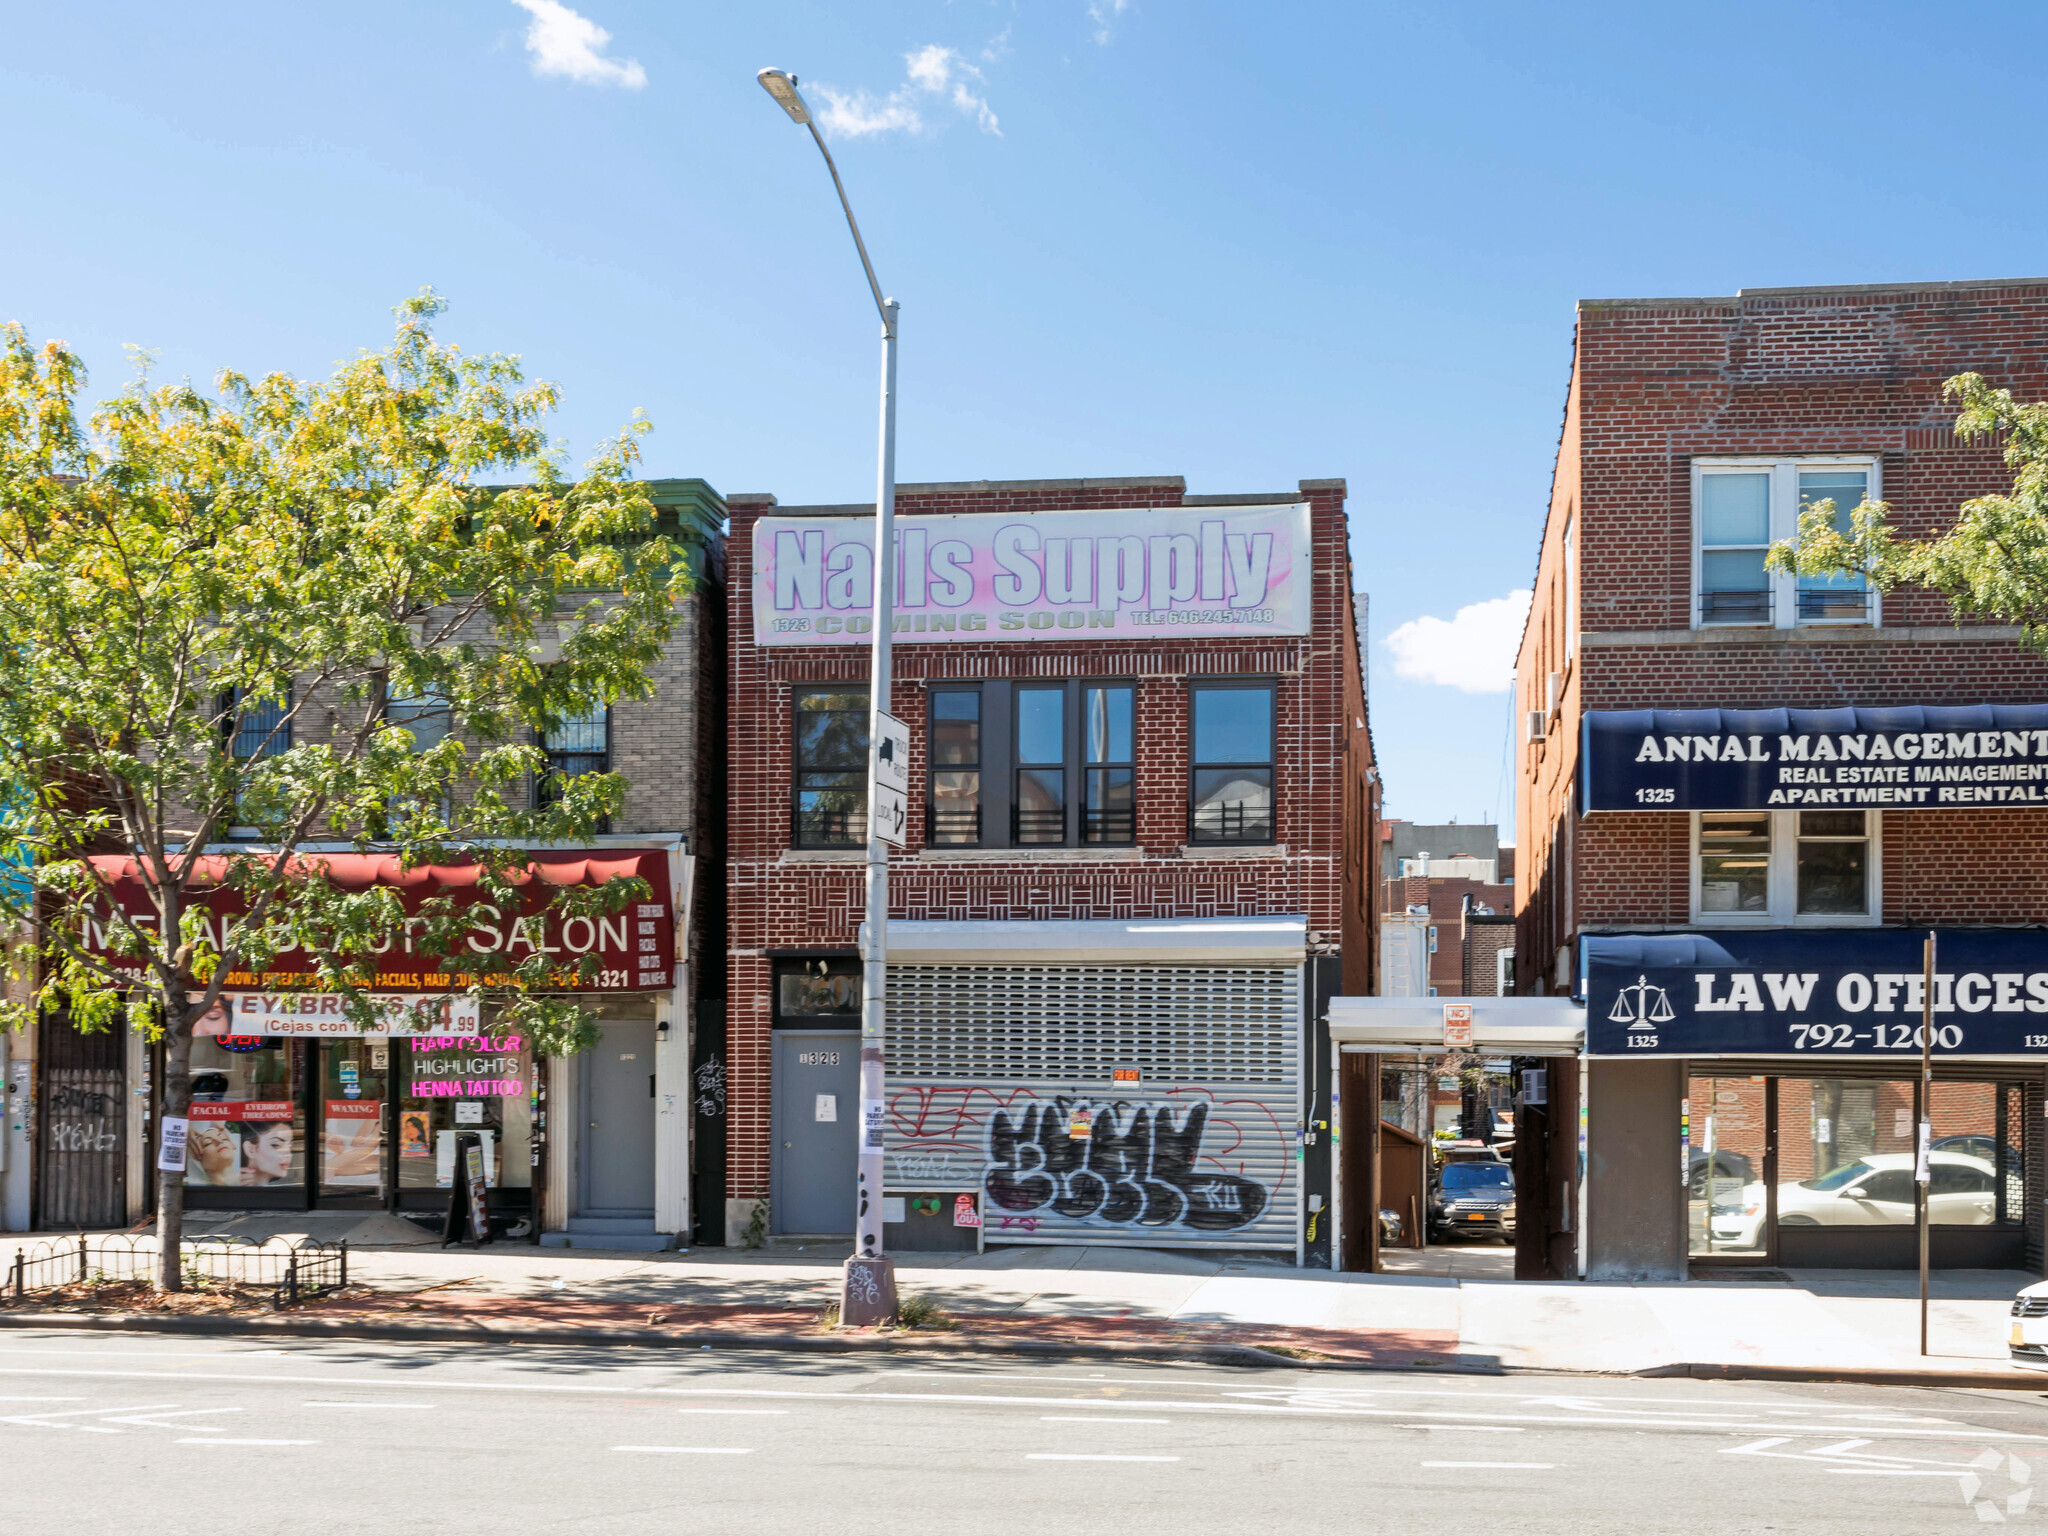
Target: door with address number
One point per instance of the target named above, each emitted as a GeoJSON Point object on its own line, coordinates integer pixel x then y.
{"type": "Point", "coordinates": [817, 1093]}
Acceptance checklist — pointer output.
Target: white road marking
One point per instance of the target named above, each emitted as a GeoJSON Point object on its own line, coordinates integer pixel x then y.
{"type": "Point", "coordinates": [422, 1407]}
{"type": "Point", "coordinates": [1705, 1424]}
{"type": "Point", "coordinates": [687, 1450]}
{"type": "Point", "coordinates": [1094, 1418]}
{"type": "Point", "coordinates": [1474, 1429]}
{"type": "Point", "coordinates": [1048, 1456]}
{"type": "Point", "coordinates": [248, 1442]}
{"type": "Point", "coordinates": [1512, 1466]}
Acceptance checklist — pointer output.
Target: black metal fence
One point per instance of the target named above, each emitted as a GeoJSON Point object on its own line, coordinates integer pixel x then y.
{"type": "Point", "coordinates": [292, 1272]}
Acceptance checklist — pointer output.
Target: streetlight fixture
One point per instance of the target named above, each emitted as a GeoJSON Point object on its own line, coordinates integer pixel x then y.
{"type": "Point", "coordinates": [868, 1284]}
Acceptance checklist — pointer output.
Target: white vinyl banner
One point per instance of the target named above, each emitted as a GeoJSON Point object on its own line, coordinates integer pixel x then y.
{"type": "Point", "coordinates": [320, 1013]}
{"type": "Point", "coordinates": [1129, 573]}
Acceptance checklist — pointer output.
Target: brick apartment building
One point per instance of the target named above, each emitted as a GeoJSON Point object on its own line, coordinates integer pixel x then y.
{"type": "Point", "coordinates": [1139, 859]}
{"type": "Point", "coordinates": [1746, 797]}
{"type": "Point", "coordinates": [1459, 880]}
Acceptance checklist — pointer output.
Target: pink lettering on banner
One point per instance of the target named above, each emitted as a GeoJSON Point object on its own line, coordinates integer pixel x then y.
{"type": "Point", "coordinates": [241, 1109]}
{"type": "Point", "coordinates": [1037, 576]}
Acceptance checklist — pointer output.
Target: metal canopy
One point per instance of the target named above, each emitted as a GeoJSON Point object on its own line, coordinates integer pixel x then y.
{"type": "Point", "coordinates": [1501, 1026]}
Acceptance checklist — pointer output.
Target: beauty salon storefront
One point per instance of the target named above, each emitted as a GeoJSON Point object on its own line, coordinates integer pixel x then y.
{"type": "Point", "coordinates": [296, 1107]}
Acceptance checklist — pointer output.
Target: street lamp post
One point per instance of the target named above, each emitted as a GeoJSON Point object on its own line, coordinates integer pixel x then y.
{"type": "Point", "coordinates": [868, 1284]}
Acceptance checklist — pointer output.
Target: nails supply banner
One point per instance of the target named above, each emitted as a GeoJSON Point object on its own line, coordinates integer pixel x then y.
{"type": "Point", "coordinates": [1832, 995]}
{"type": "Point", "coordinates": [1129, 573]}
{"type": "Point", "coordinates": [1908, 756]}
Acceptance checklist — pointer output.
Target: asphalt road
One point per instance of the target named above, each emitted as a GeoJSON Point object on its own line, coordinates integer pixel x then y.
{"type": "Point", "coordinates": [164, 1435]}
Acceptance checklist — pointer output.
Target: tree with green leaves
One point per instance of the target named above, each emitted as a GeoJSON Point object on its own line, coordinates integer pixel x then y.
{"type": "Point", "coordinates": [1991, 564]}
{"type": "Point", "coordinates": [209, 606]}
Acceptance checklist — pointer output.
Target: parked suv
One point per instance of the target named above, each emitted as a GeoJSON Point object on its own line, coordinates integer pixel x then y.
{"type": "Point", "coordinates": [1475, 1196]}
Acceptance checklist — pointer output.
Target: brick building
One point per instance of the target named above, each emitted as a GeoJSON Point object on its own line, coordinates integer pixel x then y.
{"type": "Point", "coordinates": [1459, 880]}
{"type": "Point", "coordinates": [353, 1122]}
{"type": "Point", "coordinates": [1747, 796]}
{"type": "Point", "coordinates": [1138, 858]}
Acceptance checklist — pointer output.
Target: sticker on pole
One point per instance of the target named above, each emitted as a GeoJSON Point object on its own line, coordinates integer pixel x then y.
{"type": "Point", "coordinates": [872, 1114]}
{"type": "Point", "coordinates": [892, 754]}
{"type": "Point", "coordinates": [1457, 1026]}
{"type": "Point", "coordinates": [964, 1213]}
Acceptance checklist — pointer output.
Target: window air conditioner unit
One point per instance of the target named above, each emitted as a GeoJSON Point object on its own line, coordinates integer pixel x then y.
{"type": "Point", "coordinates": [1536, 726]}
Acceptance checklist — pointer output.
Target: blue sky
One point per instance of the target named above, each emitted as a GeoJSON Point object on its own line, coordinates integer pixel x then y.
{"type": "Point", "coordinates": [1248, 244]}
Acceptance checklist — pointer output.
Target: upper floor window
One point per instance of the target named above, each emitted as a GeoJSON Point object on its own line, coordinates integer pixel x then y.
{"type": "Point", "coordinates": [1800, 867]}
{"type": "Point", "coordinates": [831, 808]}
{"type": "Point", "coordinates": [1741, 507]}
{"type": "Point", "coordinates": [261, 728]}
{"type": "Point", "coordinates": [1031, 764]}
{"type": "Point", "coordinates": [1230, 790]}
{"type": "Point", "coordinates": [581, 744]}
{"type": "Point", "coordinates": [430, 720]}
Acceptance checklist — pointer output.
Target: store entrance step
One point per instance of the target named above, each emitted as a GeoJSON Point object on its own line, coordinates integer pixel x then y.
{"type": "Point", "coordinates": [627, 1234]}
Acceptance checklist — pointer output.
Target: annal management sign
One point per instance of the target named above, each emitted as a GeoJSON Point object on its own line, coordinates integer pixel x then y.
{"type": "Point", "coordinates": [1906, 756]}
{"type": "Point", "coordinates": [1038, 576]}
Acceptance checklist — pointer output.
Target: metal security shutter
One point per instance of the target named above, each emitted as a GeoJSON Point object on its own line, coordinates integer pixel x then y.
{"type": "Point", "coordinates": [988, 1065]}
{"type": "Point", "coordinates": [81, 1129]}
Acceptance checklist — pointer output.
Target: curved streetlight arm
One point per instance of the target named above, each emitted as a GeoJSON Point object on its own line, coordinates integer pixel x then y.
{"type": "Point", "coordinates": [783, 88]}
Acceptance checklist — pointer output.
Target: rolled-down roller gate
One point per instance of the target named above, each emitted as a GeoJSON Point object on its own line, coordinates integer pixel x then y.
{"type": "Point", "coordinates": [1006, 1078]}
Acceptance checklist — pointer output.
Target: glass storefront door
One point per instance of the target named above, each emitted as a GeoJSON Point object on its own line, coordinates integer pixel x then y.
{"type": "Point", "coordinates": [353, 1121]}
{"type": "Point", "coordinates": [1727, 1172]}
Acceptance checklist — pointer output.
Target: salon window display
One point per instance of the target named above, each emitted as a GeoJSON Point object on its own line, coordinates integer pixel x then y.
{"type": "Point", "coordinates": [247, 1120]}
{"type": "Point", "coordinates": [454, 1083]}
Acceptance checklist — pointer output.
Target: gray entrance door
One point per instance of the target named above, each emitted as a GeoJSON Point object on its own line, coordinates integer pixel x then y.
{"type": "Point", "coordinates": [616, 1166]}
{"type": "Point", "coordinates": [817, 1093]}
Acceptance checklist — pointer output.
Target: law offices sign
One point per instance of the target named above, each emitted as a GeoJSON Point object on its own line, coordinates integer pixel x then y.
{"type": "Point", "coordinates": [972, 577]}
{"type": "Point", "coordinates": [1830, 994]}
{"type": "Point", "coordinates": [1906, 757]}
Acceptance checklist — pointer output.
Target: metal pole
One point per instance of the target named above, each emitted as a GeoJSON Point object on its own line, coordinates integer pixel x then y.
{"type": "Point", "coordinates": [874, 990]}
{"type": "Point", "coordinates": [868, 1285]}
{"type": "Point", "coordinates": [1923, 1153]}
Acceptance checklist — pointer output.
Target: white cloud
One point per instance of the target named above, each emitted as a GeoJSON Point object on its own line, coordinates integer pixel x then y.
{"type": "Point", "coordinates": [1104, 14]}
{"type": "Point", "coordinates": [1473, 651]}
{"type": "Point", "coordinates": [565, 43]}
{"type": "Point", "coordinates": [932, 71]}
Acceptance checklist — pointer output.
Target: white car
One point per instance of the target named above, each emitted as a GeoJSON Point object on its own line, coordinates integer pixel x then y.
{"type": "Point", "coordinates": [2028, 1339]}
{"type": "Point", "coordinates": [1871, 1191]}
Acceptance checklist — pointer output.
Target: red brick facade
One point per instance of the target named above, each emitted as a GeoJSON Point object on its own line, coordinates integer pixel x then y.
{"type": "Point", "coordinates": [784, 899]}
{"type": "Point", "coordinates": [1657, 384]}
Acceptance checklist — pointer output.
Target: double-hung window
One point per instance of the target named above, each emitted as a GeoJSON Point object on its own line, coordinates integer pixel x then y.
{"type": "Point", "coordinates": [1814, 868]}
{"type": "Point", "coordinates": [428, 717]}
{"type": "Point", "coordinates": [252, 730]}
{"type": "Point", "coordinates": [1741, 507]}
{"type": "Point", "coordinates": [1031, 764]}
{"type": "Point", "coordinates": [955, 807]}
{"type": "Point", "coordinates": [831, 809]}
{"type": "Point", "coordinates": [581, 744]}
{"type": "Point", "coordinates": [1230, 790]}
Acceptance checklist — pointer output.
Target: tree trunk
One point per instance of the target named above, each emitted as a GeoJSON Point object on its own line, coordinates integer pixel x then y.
{"type": "Point", "coordinates": [170, 1187]}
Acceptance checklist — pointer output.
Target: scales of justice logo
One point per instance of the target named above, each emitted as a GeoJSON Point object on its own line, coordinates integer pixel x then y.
{"type": "Point", "coordinates": [1641, 1006]}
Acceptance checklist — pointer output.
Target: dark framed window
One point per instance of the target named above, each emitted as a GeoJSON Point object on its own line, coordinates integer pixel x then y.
{"type": "Point", "coordinates": [1230, 788]}
{"type": "Point", "coordinates": [831, 800]}
{"type": "Point", "coordinates": [1109, 811]}
{"type": "Point", "coordinates": [260, 729]}
{"type": "Point", "coordinates": [581, 744]}
{"type": "Point", "coordinates": [430, 720]}
{"type": "Point", "coordinates": [1039, 802]}
{"type": "Point", "coordinates": [819, 993]}
{"type": "Point", "coordinates": [954, 809]}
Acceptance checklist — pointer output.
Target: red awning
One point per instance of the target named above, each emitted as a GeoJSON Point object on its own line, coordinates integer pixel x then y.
{"type": "Point", "coordinates": [360, 871]}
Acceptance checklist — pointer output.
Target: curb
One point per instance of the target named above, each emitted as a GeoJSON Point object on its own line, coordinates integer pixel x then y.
{"type": "Point", "coordinates": [424, 1333]}
{"type": "Point", "coordinates": [1241, 1355]}
{"type": "Point", "coordinates": [1860, 1375]}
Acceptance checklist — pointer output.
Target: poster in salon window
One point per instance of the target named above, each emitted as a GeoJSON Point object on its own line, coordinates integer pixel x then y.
{"type": "Point", "coordinates": [1133, 573]}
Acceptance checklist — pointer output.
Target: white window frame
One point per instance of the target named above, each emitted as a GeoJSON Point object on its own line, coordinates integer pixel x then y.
{"type": "Point", "coordinates": [1782, 882]}
{"type": "Point", "coordinates": [1784, 472]}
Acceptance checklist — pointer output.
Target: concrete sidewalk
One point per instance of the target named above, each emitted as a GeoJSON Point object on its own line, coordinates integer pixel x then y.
{"type": "Point", "coordinates": [1469, 1313]}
